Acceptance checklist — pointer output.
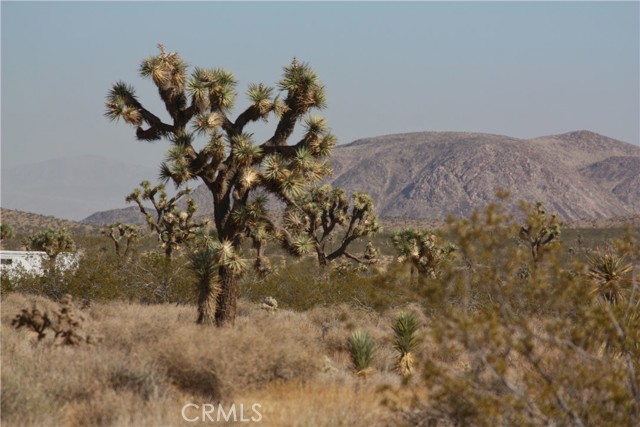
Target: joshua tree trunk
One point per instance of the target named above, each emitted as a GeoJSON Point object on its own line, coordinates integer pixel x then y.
{"type": "Point", "coordinates": [322, 257]}
{"type": "Point", "coordinates": [227, 297]}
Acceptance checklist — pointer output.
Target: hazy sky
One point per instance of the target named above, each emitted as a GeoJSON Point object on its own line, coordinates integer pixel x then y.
{"type": "Point", "coordinates": [518, 69]}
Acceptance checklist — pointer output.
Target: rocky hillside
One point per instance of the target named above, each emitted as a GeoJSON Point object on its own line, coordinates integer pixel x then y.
{"type": "Point", "coordinates": [24, 223]}
{"type": "Point", "coordinates": [432, 174]}
{"type": "Point", "coordinates": [429, 175]}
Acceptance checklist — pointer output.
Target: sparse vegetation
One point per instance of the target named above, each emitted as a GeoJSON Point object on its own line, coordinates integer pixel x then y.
{"type": "Point", "coordinates": [475, 344]}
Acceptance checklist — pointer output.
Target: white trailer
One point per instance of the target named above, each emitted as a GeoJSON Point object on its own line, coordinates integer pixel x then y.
{"type": "Point", "coordinates": [15, 263]}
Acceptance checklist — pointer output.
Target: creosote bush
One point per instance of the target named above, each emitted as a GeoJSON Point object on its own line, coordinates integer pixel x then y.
{"type": "Point", "coordinates": [538, 350]}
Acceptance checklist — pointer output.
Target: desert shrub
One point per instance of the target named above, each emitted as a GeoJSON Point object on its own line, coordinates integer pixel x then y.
{"type": "Point", "coordinates": [65, 323]}
{"type": "Point", "coordinates": [302, 285]}
{"type": "Point", "coordinates": [533, 351]}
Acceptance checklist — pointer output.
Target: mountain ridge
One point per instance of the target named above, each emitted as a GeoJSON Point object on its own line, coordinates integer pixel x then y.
{"type": "Point", "coordinates": [581, 175]}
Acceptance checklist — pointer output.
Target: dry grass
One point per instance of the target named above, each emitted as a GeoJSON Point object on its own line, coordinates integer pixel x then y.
{"type": "Point", "coordinates": [153, 360]}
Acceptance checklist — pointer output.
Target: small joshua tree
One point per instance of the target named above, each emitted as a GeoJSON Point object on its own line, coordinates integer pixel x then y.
{"type": "Point", "coordinates": [539, 231]}
{"type": "Point", "coordinates": [6, 231]}
{"type": "Point", "coordinates": [423, 250]}
{"type": "Point", "coordinates": [317, 214]}
{"type": "Point", "coordinates": [361, 350]}
{"type": "Point", "coordinates": [405, 341]}
{"type": "Point", "coordinates": [52, 241]}
{"type": "Point", "coordinates": [122, 233]}
{"type": "Point", "coordinates": [173, 226]}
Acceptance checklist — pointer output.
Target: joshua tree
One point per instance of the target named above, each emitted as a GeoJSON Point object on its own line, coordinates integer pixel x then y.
{"type": "Point", "coordinates": [424, 250]}
{"type": "Point", "coordinates": [6, 231]}
{"type": "Point", "coordinates": [317, 214]}
{"type": "Point", "coordinates": [229, 163]}
{"type": "Point", "coordinates": [174, 227]}
{"type": "Point", "coordinates": [539, 231]}
{"type": "Point", "coordinates": [119, 233]}
{"type": "Point", "coordinates": [52, 241]}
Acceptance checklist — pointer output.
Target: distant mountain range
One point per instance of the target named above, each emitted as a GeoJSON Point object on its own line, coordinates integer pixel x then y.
{"type": "Point", "coordinates": [427, 175]}
{"type": "Point", "coordinates": [578, 175]}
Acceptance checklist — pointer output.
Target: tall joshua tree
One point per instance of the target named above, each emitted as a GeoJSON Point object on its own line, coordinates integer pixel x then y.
{"type": "Point", "coordinates": [323, 209]}
{"type": "Point", "coordinates": [229, 162]}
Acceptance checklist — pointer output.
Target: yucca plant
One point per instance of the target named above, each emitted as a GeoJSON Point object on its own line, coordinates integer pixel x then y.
{"type": "Point", "coordinates": [405, 342]}
{"type": "Point", "coordinates": [361, 349]}
{"type": "Point", "coordinates": [611, 275]}
{"type": "Point", "coordinates": [204, 267]}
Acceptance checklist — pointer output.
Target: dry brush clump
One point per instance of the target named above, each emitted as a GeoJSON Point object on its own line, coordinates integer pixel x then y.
{"type": "Point", "coordinates": [66, 323]}
{"type": "Point", "coordinates": [543, 349]}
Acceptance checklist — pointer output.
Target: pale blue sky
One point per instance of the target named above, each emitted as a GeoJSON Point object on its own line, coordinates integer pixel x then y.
{"type": "Point", "coordinates": [518, 69]}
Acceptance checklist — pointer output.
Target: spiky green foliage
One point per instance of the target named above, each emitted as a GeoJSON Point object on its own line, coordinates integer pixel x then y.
{"type": "Point", "coordinates": [424, 250]}
{"type": "Point", "coordinates": [361, 350]}
{"type": "Point", "coordinates": [540, 231]}
{"type": "Point", "coordinates": [203, 264]}
{"type": "Point", "coordinates": [610, 273]}
{"type": "Point", "coordinates": [230, 162]}
{"type": "Point", "coordinates": [405, 341]}
{"type": "Point", "coordinates": [405, 328]}
{"type": "Point", "coordinates": [53, 241]}
{"type": "Point", "coordinates": [324, 210]}
{"type": "Point", "coordinates": [174, 227]}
